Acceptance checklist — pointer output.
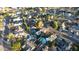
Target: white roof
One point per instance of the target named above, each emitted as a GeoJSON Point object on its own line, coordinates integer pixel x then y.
{"type": "Point", "coordinates": [17, 19]}
{"type": "Point", "coordinates": [18, 24]}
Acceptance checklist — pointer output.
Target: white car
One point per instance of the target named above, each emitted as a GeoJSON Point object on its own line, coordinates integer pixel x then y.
{"type": "Point", "coordinates": [18, 24]}
{"type": "Point", "coordinates": [17, 19]}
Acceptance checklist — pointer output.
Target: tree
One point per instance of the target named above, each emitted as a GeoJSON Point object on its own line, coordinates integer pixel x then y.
{"type": "Point", "coordinates": [16, 46]}
{"type": "Point", "coordinates": [11, 36]}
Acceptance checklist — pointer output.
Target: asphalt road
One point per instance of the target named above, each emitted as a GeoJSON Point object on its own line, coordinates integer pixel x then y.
{"type": "Point", "coordinates": [71, 38]}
